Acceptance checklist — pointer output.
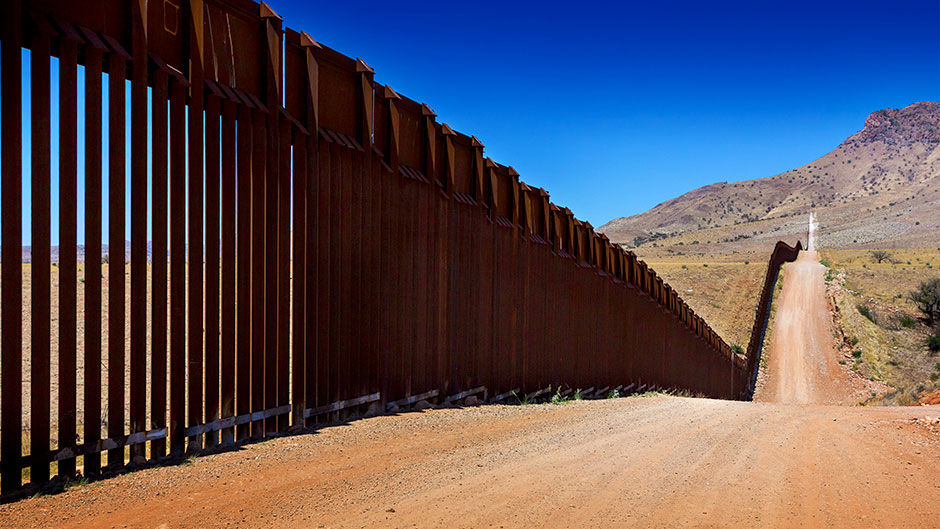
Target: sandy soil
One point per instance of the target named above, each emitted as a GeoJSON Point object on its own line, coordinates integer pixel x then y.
{"type": "Point", "coordinates": [634, 462]}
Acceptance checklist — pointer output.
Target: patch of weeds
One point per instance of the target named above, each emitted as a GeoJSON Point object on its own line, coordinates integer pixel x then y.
{"type": "Point", "coordinates": [737, 349]}
{"type": "Point", "coordinates": [615, 394]}
{"type": "Point", "coordinates": [524, 400]}
{"type": "Point", "coordinates": [934, 377]}
{"type": "Point", "coordinates": [557, 398]}
{"type": "Point", "coordinates": [824, 263]}
{"type": "Point", "coordinates": [80, 481]}
{"type": "Point", "coordinates": [857, 353]}
{"type": "Point", "coordinates": [907, 321]}
{"type": "Point", "coordinates": [578, 395]}
{"type": "Point", "coordinates": [854, 340]}
{"type": "Point", "coordinates": [842, 362]}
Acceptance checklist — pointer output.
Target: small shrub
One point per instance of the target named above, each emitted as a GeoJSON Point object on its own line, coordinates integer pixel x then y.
{"type": "Point", "coordinates": [933, 342]}
{"type": "Point", "coordinates": [865, 310]}
{"type": "Point", "coordinates": [854, 340]}
{"type": "Point", "coordinates": [577, 394]}
{"type": "Point", "coordinates": [737, 349]}
{"type": "Point", "coordinates": [907, 321]}
{"type": "Point", "coordinates": [705, 265]}
{"type": "Point", "coordinates": [857, 353]}
{"type": "Point", "coordinates": [615, 394]}
{"type": "Point", "coordinates": [842, 362]}
{"type": "Point", "coordinates": [927, 299]}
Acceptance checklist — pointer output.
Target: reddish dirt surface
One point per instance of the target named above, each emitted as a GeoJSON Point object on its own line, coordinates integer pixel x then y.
{"type": "Point", "coordinates": [802, 361]}
{"type": "Point", "coordinates": [931, 397]}
{"type": "Point", "coordinates": [635, 462]}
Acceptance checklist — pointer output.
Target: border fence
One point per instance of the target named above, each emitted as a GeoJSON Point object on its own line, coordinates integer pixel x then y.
{"type": "Point", "coordinates": [355, 251]}
{"type": "Point", "coordinates": [783, 253]}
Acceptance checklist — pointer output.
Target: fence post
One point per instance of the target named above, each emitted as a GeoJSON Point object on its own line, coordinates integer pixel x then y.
{"type": "Point", "coordinates": [138, 279]}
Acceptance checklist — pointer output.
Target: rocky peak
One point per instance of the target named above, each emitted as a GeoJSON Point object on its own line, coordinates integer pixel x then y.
{"type": "Point", "coordinates": [916, 123]}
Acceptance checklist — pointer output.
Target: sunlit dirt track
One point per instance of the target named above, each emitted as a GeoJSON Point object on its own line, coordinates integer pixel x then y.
{"type": "Point", "coordinates": [802, 361]}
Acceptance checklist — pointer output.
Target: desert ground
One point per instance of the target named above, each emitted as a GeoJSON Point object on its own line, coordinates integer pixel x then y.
{"type": "Point", "coordinates": [723, 289]}
{"type": "Point", "coordinates": [80, 361]}
{"type": "Point", "coordinates": [794, 458]}
{"type": "Point", "coordinates": [888, 345]}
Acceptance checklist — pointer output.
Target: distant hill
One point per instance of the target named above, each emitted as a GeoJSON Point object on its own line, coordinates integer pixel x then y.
{"type": "Point", "coordinates": [879, 188]}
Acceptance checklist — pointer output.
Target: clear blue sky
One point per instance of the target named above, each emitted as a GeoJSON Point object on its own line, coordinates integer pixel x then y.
{"type": "Point", "coordinates": [614, 108]}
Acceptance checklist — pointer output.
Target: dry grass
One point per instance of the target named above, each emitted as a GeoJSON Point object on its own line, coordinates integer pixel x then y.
{"type": "Point", "coordinates": [80, 362]}
{"type": "Point", "coordinates": [891, 345]}
{"type": "Point", "coordinates": [748, 238]}
{"type": "Point", "coordinates": [723, 289]}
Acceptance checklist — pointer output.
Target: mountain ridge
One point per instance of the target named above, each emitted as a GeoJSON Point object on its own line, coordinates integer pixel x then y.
{"type": "Point", "coordinates": [880, 186]}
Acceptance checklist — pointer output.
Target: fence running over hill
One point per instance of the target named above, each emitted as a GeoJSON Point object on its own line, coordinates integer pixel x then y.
{"type": "Point", "coordinates": [783, 253]}
{"type": "Point", "coordinates": [357, 252]}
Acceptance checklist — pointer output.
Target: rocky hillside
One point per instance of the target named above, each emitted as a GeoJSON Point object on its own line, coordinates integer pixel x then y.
{"type": "Point", "coordinates": [879, 188]}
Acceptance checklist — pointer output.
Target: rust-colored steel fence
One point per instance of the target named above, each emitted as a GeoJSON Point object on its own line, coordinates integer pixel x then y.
{"type": "Point", "coordinates": [355, 251]}
{"type": "Point", "coordinates": [783, 253]}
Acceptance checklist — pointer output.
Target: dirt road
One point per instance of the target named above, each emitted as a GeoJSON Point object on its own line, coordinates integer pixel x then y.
{"type": "Point", "coordinates": [803, 365]}
{"type": "Point", "coordinates": [634, 462]}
